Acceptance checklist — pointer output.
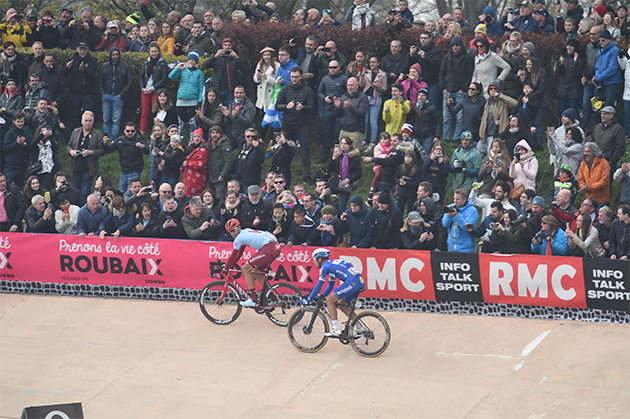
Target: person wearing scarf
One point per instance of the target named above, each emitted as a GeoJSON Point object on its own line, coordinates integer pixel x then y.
{"type": "Point", "coordinates": [361, 15]}
{"type": "Point", "coordinates": [11, 65]}
{"type": "Point", "coordinates": [565, 148]}
{"type": "Point", "coordinates": [327, 230]}
{"type": "Point", "coordinates": [194, 167]}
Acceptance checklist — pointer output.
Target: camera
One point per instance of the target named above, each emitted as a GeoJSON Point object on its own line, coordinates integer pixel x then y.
{"type": "Point", "coordinates": [553, 205]}
{"type": "Point", "coordinates": [405, 77]}
{"type": "Point", "coordinates": [494, 225]}
{"type": "Point", "coordinates": [450, 209]}
{"type": "Point", "coordinates": [325, 49]}
{"type": "Point", "coordinates": [510, 10]}
{"type": "Point", "coordinates": [64, 183]}
{"type": "Point", "coordinates": [539, 237]}
{"type": "Point", "coordinates": [519, 220]}
{"type": "Point", "coordinates": [108, 200]}
{"type": "Point", "coordinates": [488, 19]}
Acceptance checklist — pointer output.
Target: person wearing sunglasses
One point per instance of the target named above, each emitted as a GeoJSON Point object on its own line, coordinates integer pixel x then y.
{"type": "Point", "coordinates": [131, 151]}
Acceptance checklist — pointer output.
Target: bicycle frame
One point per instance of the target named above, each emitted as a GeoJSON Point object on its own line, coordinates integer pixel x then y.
{"type": "Point", "coordinates": [231, 280]}
{"type": "Point", "coordinates": [321, 307]}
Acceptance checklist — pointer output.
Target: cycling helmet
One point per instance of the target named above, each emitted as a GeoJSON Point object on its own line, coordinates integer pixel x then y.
{"type": "Point", "coordinates": [321, 253]}
{"type": "Point", "coordinates": [232, 224]}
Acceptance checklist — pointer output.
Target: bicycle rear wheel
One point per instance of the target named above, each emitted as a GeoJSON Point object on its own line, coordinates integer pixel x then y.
{"type": "Point", "coordinates": [370, 334]}
{"type": "Point", "coordinates": [306, 330]}
{"type": "Point", "coordinates": [284, 299]}
{"type": "Point", "coordinates": [220, 304]}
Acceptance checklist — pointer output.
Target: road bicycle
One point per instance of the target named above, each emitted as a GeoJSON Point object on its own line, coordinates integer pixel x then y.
{"type": "Point", "coordinates": [219, 300]}
{"type": "Point", "coordinates": [368, 332]}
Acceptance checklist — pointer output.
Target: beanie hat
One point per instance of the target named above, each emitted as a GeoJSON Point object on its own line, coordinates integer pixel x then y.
{"type": "Point", "coordinates": [416, 67]}
{"type": "Point", "coordinates": [574, 43]}
{"type": "Point", "coordinates": [467, 135]}
{"type": "Point", "coordinates": [601, 10]}
{"type": "Point", "coordinates": [570, 113]}
{"type": "Point", "coordinates": [457, 40]}
{"type": "Point", "coordinates": [134, 18]}
{"type": "Point", "coordinates": [328, 209]}
{"type": "Point", "coordinates": [539, 200]}
{"type": "Point", "coordinates": [385, 198]}
{"type": "Point", "coordinates": [424, 91]}
{"type": "Point", "coordinates": [198, 131]}
{"type": "Point", "coordinates": [193, 56]}
{"type": "Point", "coordinates": [530, 47]}
{"type": "Point", "coordinates": [357, 200]}
{"type": "Point", "coordinates": [407, 127]}
{"type": "Point", "coordinates": [605, 34]}
{"type": "Point", "coordinates": [481, 28]}
{"type": "Point", "coordinates": [489, 11]}
{"type": "Point", "coordinates": [226, 40]}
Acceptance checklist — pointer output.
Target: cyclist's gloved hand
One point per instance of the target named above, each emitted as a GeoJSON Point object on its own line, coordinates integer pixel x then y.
{"type": "Point", "coordinates": [305, 301]}
{"type": "Point", "coordinates": [224, 273]}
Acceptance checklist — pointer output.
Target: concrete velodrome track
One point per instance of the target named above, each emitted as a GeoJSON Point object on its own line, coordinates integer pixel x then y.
{"type": "Point", "coordinates": [159, 359]}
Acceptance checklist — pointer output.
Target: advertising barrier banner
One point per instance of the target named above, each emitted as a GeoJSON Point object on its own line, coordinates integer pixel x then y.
{"type": "Point", "coordinates": [530, 280]}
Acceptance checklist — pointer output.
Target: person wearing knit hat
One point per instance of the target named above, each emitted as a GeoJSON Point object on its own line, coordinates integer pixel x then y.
{"type": "Point", "coordinates": [328, 209]}
{"type": "Point", "coordinates": [481, 28]}
{"type": "Point", "coordinates": [407, 129]}
{"type": "Point", "coordinates": [133, 18]}
{"type": "Point", "coordinates": [481, 32]}
{"type": "Point", "coordinates": [570, 65]}
{"type": "Point", "coordinates": [412, 84]}
{"type": "Point", "coordinates": [530, 47]}
{"type": "Point", "coordinates": [358, 221]}
{"type": "Point", "coordinates": [388, 220]}
{"type": "Point", "coordinates": [539, 200]}
{"type": "Point", "coordinates": [190, 91]}
{"type": "Point", "coordinates": [570, 113]}
{"type": "Point", "coordinates": [455, 76]}
{"type": "Point", "coordinates": [607, 73]}
{"type": "Point", "coordinates": [327, 230]}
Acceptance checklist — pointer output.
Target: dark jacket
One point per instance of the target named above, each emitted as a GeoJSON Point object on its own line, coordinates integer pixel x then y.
{"type": "Point", "coordinates": [300, 93]}
{"type": "Point", "coordinates": [395, 65]}
{"type": "Point", "coordinates": [220, 65]}
{"type": "Point", "coordinates": [352, 119]}
{"type": "Point", "coordinates": [427, 121]}
{"type": "Point", "coordinates": [435, 173]}
{"type": "Point", "coordinates": [17, 71]}
{"type": "Point", "coordinates": [619, 239]}
{"type": "Point", "coordinates": [570, 72]}
{"type": "Point", "coordinates": [430, 64]}
{"type": "Point", "coordinates": [511, 241]}
{"type": "Point", "coordinates": [301, 233]}
{"type": "Point", "coordinates": [263, 210]}
{"type": "Point", "coordinates": [473, 110]}
{"type": "Point", "coordinates": [203, 44]}
{"type": "Point", "coordinates": [130, 157]}
{"type": "Point", "coordinates": [249, 163]}
{"type": "Point", "coordinates": [124, 223]}
{"type": "Point", "coordinates": [456, 71]}
{"type": "Point", "coordinates": [244, 119]}
{"type": "Point", "coordinates": [325, 238]}
{"type": "Point", "coordinates": [49, 36]}
{"type": "Point", "coordinates": [55, 82]}
{"type": "Point", "coordinates": [220, 161]}
{"type": "Point", "coordinates": [390, 163]}
{"type": "Point", "coordinates": [354, 168]}
{"type": "Point", "coordinates": [410, 188]}
{"type": "Point", "coordinates": [576, 14]}
{"type": "Point", "coordinates": [95, 144]}
{"type": "Point", "coordinates": [77, 34]}
{"type": "Point", "coordinates": [282, 156]}
{"type": "Point", "coordinates": [93, 222]}
{"type": "Point", "coordinates": [173, 159]}
{"type": "Point", "coordinates": [13, 105]}
{"type": "Point", "coordinates": [591, 59]}
{"type": "Point", "coordinates": [159, 74]}
{"type": "Point", "coordinates": [14, 205]}
{"type": "Point", "coordinates": [152, 229]}
{"type": "Point", "coordinates": [124, 77]}
{"type": "Point", "coordinates": [360, 226]}
{"type": "Point", "coordinates": [433, 217]}
{"type": "Point", "coordinates": [192, 224]}
{"type": "Point", "coordinates": [83, 82]}
{"type": "Point", "coordinates": [319, 65]}
{"type": "Point", "coordinates": [611, 140]}
{"type": "Point", "coordinates": [176, 232]}
{"type": "Point", "coordinates": [387, 225]}
{"type": "Point", "coordinates": [16, 156]}
{"type": "Point", "coordinates": [35, 222]}
{"type": "Point", "coordinates": [332, 87]}
{"type": "Point", "coordinates": [285, 225]}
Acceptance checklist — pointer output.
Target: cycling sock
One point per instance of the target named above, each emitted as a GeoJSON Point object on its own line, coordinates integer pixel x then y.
{"type": "Point", "coordinates": [335, 324]}
{"type": "Point", "coordinates": [253, 295]}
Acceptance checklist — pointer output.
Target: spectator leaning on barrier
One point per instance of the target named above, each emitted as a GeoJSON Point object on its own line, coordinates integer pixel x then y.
{"type": "Point", "coordinates": [620, 234]}
{"type": "Point", "coordinates": [66, 217]}
{"type": "Point", "coordinates": [93, 218]}
{"type": "Point", "coordinates": [301, 228]}
{"type": "Point", "coordinates": [388, 220]}
{"type": "Point", "coordinates": [358, 222]}
{"type": "Point", "coordinates": [170, 219]}
{"type": "Point", "coordinates": [584, 240]}
{"type": "Point", "coordinates": [551, 239]}
{"type": "Point", "coordinates": [459, 214]}
{"type": "Point", "coordinates": [199, 221]}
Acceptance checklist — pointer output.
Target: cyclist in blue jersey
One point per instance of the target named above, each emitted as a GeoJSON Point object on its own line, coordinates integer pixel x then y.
{"type": "Point", "coordinates": [351, 283]}
{"type": "Point", "coordinates": [268, 249]}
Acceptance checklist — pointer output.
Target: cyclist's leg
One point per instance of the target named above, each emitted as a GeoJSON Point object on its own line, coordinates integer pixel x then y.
{"type": "Point", "coordinates": [259, 262]}
{"type": "Point", "coordinates": [344, 292]}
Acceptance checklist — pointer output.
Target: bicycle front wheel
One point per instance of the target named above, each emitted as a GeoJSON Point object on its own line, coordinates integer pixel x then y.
{"type": "Point", "coordinates": [283, 300]}
{"type": "Point", "coordinates": [369, 334]}
{"type": "Point", "coordinates": [220, 303]}
{"type": "Point", "coordinates": [306, 330]}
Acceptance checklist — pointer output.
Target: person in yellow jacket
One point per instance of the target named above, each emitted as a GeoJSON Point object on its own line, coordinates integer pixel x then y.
{"type": "Point", "coordinates": [14, 31]}
{"type": "Point", "coordinates": [395, 110]}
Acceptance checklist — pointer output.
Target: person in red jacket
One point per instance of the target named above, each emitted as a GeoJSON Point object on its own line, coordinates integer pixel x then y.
{"type": "Point", "coordinates": [112, 38]}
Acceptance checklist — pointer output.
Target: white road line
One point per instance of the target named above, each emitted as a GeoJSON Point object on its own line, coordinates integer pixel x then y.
{"type": "Point", "coordinates": [458, 355]}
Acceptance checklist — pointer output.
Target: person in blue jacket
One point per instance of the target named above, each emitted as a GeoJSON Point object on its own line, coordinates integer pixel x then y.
{"type": "Point", "coordinates": [489, 18]}
{"type": "Point", "coordinates": [190, 91]}
{"type": "Point", "coordinates": [551, 237]}
{"type": "Point", "coordinates": [92, 218]}
{"type": "Point", "coordinates": [460, 213]}
{"type": "Point", "coordinates": [283, 76]}
{"type": "Point", "coordinates": [607, 72]}
{"type": "Point", "coordinates": [358, 221]}
{"type": "Point", "coordinates": [524, 23]}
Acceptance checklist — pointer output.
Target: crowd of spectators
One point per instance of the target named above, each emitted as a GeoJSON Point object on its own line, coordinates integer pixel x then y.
{"type": "Point", "coordinates": [488, 99]}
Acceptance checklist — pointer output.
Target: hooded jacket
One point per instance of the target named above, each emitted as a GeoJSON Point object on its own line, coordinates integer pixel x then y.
{"type": "Point", "coordinates": [501, 107]}
{"type": "Point", "coordinates": [123, 85]}
{"type": "Point", "coordinates": [459, 239]}
{"type": "Point", "coordinates": [387, 225]}
{"type": "Point", "coordinates": [494, 28]}
{"type": "Point", "coordinates": [427, 120]}
{"type": "Point", "coordinates": [220, 161]}
{"type": "Point", "coordinates": [456, 71]}
{"type": "Point", "coordinates": [570, 72]}
{"type": "Point", "coordinates": [472, 158]}
{"type": "Point", "coordinates": [359, 225]}
{"type": "Point", "coordinates": [13, 104]}
{"type": "Point", "coordinates": [203, 44]}
{"type": "Point", "coordinates": [130, 157]}
{"type": "Point", "coordinates": [431, 222]}
{"type": "Point", "coordinates": [191, 83]}
{"type": "Point", "coordinates": [284, 71]}
{"type": "Point", "coordinates": [473, 111]}
{"type": "Point", "coordinates": [607, 65]}
{"type": "Point", "coordinates": [524, 172]}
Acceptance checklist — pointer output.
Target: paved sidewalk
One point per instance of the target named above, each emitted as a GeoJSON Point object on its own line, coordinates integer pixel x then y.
{"type": "Point", "coordinates": [158, 359]}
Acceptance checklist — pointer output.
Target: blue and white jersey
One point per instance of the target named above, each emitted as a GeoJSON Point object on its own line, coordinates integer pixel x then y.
{"type": "Point", "coordinates": [338, 269]}
{"type": "Point", "coordinates": [253, 238]}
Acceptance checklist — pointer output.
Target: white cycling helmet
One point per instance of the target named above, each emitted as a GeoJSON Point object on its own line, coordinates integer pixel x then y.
{"type": "Point", "coordinates": [321, 253]}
